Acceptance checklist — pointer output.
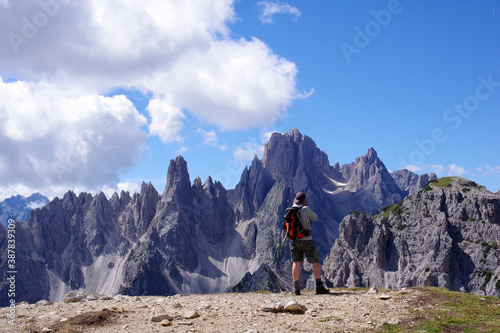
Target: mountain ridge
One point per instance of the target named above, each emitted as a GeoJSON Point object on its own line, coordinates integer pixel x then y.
{"type": "Point", "coordinates": [19, 207]}
{"type": "Point", "coordinates": [194, 237]}
{"type": "Point", "coordinates": [445, 235]}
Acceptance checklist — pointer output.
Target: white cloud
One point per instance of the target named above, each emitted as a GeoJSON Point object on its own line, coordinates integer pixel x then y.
{"type": "Point", "coordinates": [234, 85]}
{"type": "Point", "coordinates": [166, 120]}
{"type": "Point", "coordinates": [106, 43]}
{"type": "Point", "coordinates": [412, 168]}
{"type": "Point", "coordinates": [488, 170]}
{"type": "Point", "coordinates": [36, 204]}
{"type": "Point", "coordinates": [271, 8]}
{"type": "Point", "coordinates": [455, 170]}
{"type": "Point", "coordinates": [427, 168]}
{"type": "Point", "coordinates": [211, 139]}
{"type": "Point", "coordinates": [435, 168]}
{"type": "Point", "coordinates": [180, 52]}
{"type": "Point", "coordinates": [128, 186]}
{"type": "Point", "coordinates": [247, 151]}
{"type": "Point", "coordinates": [63, 57]}
{"type": "Point", "coordinates": [51, 136]}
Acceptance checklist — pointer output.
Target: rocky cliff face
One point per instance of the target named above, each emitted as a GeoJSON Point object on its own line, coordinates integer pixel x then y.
{"type": "Point", "coordinates": [445, 235]}
{"type": "Point", "coordinates": [197, 237]}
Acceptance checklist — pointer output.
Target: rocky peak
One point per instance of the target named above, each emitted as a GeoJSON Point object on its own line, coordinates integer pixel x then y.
{"type": "Point", "coordinates": [409, 182]}
{"type": "Point", "coordinates": [101, 225]}
{"type": "Point", "coordinates": [445, 235]}
{"type": "Point", "coordinates": [178, 183]}
{"type": "Point", "coordinates": [365, 167]}
{"type": "Point", "coordinates": [250, 192]}
{"type": "Point", "coordinates": [197, 183]}
{"type": "Point", "coordinates": [287, 154]}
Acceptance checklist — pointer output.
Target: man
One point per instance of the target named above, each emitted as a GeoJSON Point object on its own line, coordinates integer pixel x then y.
{"type": "Point", "coordinates": [305, 246]}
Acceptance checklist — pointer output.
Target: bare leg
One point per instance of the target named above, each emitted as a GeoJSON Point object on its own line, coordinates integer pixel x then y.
{"type": "Point", "coordinates": [296, 271]}
{"type": "Point", "coordinates": [316, 270]}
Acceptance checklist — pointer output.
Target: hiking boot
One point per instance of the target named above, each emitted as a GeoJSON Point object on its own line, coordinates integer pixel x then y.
{"type": "Point", "coordinates": [296, 285]}
{"type": "Point", "coordinates": [321, 290]}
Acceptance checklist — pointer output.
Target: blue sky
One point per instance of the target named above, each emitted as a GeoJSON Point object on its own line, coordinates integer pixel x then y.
{"type": "Point", "coordinates": [108, 102]}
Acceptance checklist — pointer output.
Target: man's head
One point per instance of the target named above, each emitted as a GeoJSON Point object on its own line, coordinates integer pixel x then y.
{"type": "Point", "coordinates": [300, 198]}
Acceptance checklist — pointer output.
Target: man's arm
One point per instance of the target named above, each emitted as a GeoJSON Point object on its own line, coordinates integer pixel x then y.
{"type": "Point", "coordinates": [310, 214]}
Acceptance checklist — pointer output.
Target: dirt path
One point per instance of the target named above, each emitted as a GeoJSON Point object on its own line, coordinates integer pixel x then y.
{"type": "Point", "coordinates": [344, 311]}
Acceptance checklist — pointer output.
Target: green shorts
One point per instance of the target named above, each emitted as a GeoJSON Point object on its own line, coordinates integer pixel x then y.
{"type": "Point", "coordinates": [300, 248]}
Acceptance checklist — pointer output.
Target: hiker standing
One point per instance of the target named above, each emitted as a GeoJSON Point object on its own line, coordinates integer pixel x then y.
{"type": "Point", "coordinates": [305, 246]}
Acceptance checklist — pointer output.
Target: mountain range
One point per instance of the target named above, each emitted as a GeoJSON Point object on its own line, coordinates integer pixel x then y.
{"type": "Point", "coordinates": [198, 237]}
{"type": "Point", "coordinates": [18, 207]}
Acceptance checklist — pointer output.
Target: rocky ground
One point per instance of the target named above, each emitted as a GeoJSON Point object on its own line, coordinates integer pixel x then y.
{"type": "Point", "coordinates": [345, 310]}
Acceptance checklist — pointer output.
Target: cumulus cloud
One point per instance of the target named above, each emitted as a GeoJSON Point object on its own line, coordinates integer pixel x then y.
{"type": "Point", "coordinates": [455, 170]}
{"type": "Point", "coordinates": [180, 52]}
{"type": "Point", "coordinates": [53, 136]}
{"type": "Point", "coordinates": [412, 168]}
{"type": "Point", "coordinates": [61, 59]}
{"type": "Point", "coordinates": [271, 8]}
{"type": "Point", "coordinates": [128, 186]}
{"type": "Point", "coordinates": [166, 120]}
{"type": "Point", "coordinates": [106, 42]}
{"type": "Point", "coordinates": [211, 139]}
{"type": "Point", "coordinates": [247, 151]}
{"type": "Point", "coordinates": [234, 85]}
{"type": "Point", "coordinates": [488, 170]}
{"type": "Point", "coordinates": [438, 169]}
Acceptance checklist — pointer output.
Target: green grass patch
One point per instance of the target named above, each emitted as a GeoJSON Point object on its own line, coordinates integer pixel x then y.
{"type": "Point", "coordinates": [390, 328]}
{"type": "Point", "coordinates": [329, 318]}
{"type": "Point", "coordinates": [444, 181]}
{"type": "Point", "coordinates": [457, 312]}
{"type": "Point", "coordinates": [441, 182]}
{"type": "Point", "coordinates": [397, 209]}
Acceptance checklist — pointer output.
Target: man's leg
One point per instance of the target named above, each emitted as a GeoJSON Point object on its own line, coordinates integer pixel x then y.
{"type": "Point", "coordinates": [296, 276]}
{"type": "Point", "coordinates": [317, 271]}
{"type": "Point", "coordinates": [296, 271]}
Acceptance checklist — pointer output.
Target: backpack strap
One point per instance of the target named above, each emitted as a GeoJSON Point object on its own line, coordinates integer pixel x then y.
{"type": "Point", "coordinates": [307, 232]}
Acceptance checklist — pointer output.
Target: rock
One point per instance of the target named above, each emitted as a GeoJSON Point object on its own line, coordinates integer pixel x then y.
{"type": "Point", "coordinates": [43, 303]}
{"type": "Point", "coordinates": [384, 297]}
{"type": "Point", "coordinates": [372, 290]}
{"type": "Point", "coordinates": [290, 306]}
{"type": "Point", "coordinates": [46, 329]}
{"type": "Point", "coordinates": [268, 309]}
{"type": "Point", "coordinates": [162, 317]}
{"type": "Point", "coordinates": [293, 307]}
{"type": "Point", "coordinates": [189, 315]}
{"type": "Point", "coordinates": [166, 323]}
